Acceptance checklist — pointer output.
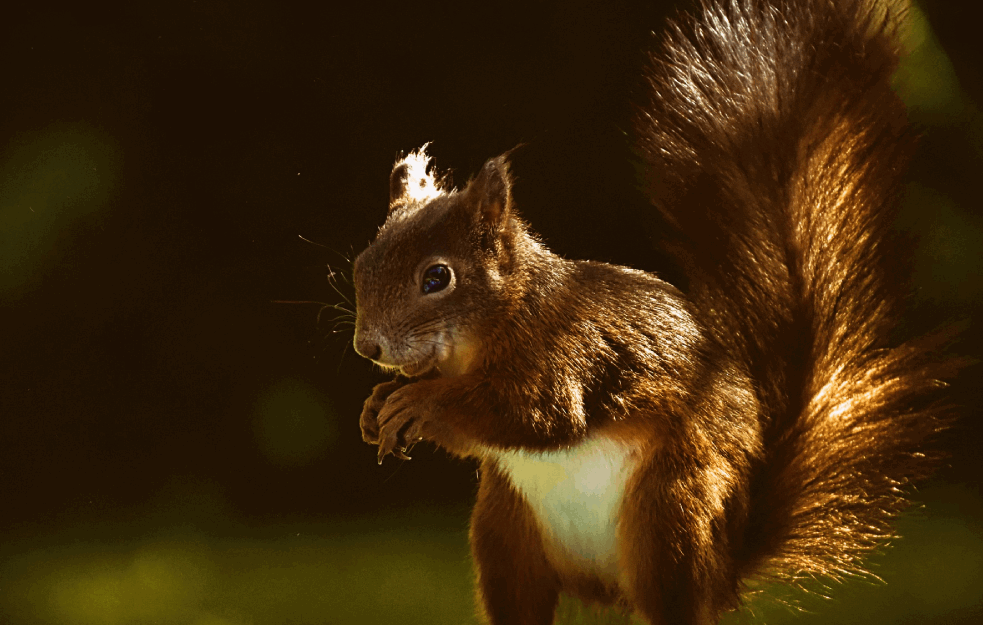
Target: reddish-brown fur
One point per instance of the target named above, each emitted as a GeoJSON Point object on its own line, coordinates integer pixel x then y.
{"type": "Point", "coordinates": [761, 425]}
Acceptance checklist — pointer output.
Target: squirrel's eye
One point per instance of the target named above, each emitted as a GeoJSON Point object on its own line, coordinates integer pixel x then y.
{"type": "Point", "coordinates": [436, 278]}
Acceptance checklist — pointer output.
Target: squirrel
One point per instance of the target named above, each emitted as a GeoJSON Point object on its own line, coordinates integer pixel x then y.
{"type": "Point", "coordinates": [654, 449]}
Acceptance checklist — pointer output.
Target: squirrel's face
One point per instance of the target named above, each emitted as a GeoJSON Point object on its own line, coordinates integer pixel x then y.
{"type": "Point", "coordinates": [426, 283]}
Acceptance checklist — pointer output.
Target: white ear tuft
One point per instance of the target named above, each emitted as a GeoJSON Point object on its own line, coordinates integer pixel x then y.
{"type": "Point", "coordinates": [418, 181]}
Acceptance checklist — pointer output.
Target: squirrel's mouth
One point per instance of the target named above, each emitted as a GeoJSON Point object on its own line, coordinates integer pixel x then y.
{"type": "Point", "coordinates": [418, 368]}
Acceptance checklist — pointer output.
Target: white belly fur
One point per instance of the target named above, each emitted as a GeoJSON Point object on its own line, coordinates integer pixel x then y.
{"type": "Point", "coordinates": [576, 496]}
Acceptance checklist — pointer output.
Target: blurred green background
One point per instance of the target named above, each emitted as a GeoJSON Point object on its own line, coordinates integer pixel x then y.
{"type": "Point", "coordinates": [177, 447]}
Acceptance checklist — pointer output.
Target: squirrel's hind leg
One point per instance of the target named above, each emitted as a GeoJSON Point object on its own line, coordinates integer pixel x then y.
{"type": "Point", "coordinates": [673, 552]}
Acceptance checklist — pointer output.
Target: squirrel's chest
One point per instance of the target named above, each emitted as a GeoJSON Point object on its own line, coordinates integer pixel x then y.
{"type": "Point", "coordinates": [576, 496]}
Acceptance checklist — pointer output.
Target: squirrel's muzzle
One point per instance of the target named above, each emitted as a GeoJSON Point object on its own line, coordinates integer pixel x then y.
{"type": "Point", "coordinates": [366, 347]}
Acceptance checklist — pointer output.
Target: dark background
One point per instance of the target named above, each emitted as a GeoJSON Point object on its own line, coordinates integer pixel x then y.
{"type": "Point", "coordinates": [158, 165]}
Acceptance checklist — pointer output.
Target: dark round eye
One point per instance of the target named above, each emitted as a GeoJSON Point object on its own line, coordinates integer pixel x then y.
{"type": "Point", "coordinates": [436, 278]}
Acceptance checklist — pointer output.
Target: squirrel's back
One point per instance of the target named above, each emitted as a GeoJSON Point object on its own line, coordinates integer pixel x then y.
{"type": "Point", "coordinates": [775, 147]}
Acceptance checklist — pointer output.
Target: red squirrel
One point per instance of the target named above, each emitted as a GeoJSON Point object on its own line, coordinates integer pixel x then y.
{"type": "Point", "coordinates": [654, 449]}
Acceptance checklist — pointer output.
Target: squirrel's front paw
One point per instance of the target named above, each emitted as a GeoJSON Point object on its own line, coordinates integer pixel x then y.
{"type": "Point", "coordinates": [368, 421]}
{"type": "Point", "coordinates": [400, 425]}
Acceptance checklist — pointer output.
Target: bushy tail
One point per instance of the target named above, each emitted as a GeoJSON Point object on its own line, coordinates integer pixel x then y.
{"type": "Point", "coordinates": [775, 145]}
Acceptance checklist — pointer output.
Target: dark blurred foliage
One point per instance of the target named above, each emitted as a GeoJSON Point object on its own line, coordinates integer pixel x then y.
{"type": "Point", "coordinates": [160, 162]}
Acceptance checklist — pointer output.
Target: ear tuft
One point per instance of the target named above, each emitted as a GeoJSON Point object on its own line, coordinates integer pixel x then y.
{"type": "Point", "coordinates": [491, 192]}
{"type": "Point", "coordinates": [412, 179]}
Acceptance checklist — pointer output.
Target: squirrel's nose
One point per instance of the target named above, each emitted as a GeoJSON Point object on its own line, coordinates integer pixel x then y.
{"type": "Point", "coordinates": [367, 348]}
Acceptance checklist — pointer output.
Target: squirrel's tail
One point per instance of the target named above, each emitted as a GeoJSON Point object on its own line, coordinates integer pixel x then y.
{"type": "Point", "coordinates": [774, 147]}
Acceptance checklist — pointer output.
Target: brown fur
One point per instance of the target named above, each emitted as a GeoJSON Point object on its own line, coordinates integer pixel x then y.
{"type": "Point", "coordinates": [764, 423]}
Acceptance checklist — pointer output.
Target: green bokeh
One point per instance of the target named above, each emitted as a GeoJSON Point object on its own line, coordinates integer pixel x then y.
{"type": "Point", "coordinates": [49, 180]}
{"type": "Point", "coordinates": [925, 78]}
{"type": "Point", "coordinates": [413, 566]}
{"type": "Point", "coordinates": [293, 423]}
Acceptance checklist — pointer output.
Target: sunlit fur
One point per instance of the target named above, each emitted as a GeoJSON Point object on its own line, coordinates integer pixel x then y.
{"type": "Point", "coordinates": [420, 184]}
{"type": "Point", "coordinates": [653, 449]}
{"type": "Point", "coordinates": [779, 122]}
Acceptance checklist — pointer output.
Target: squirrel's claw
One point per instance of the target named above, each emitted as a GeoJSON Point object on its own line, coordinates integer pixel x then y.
{"type": "Point", "coordinates": [397, 453]}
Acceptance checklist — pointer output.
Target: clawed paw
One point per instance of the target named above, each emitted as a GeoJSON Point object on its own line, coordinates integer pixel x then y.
{"type": "Point", "coordinates": [400, 426]}
{"type": "Point", "coordinates": [368, 421]}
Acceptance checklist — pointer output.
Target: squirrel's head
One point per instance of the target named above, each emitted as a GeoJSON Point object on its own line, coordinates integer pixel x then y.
{"type": "Point", "coordinates": [441, 266]}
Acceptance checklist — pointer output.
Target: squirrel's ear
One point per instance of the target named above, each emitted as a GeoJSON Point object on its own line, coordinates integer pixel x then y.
{"type": "Point", "coordinates": [412, 180]}
{"type": "Point", "coordinates": [398, 183]}
{"type": "Point", "coordinates": [491, 192]}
